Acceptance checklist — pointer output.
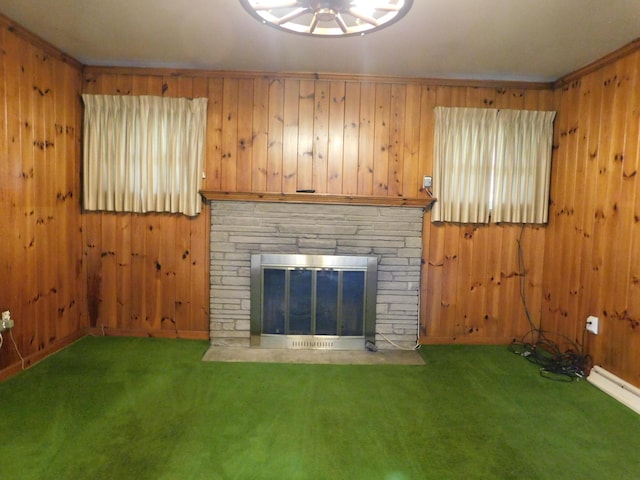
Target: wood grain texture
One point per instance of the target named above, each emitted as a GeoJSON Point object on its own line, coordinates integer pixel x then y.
{"type": "Point", "coordinates": [42, 278]}
{"type": "Point", "coordinates": [591, 260]}
{"type": "Point", "coordinates": [149, 273]}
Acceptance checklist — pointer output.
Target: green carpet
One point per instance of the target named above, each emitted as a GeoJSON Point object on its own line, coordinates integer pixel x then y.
{"type": "Point", "coordinates": [139, 408]}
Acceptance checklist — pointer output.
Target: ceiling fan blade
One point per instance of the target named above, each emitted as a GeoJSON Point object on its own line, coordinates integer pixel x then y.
{"type": "Point", "coordinates": [314, 23]}
{"type": "Point", "coordinates": [268, 5]}
{"type": "Point", "coordinates": [341, 23]}
{"type": "Point", "coordinates": [386, 6]}
{"type": "Point", "coordinates": [292, 15]}
{"type": "Point", "coordinates": [363, 17]}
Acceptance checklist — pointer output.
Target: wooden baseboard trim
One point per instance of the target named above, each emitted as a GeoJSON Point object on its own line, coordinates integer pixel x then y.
{"type": "Point", "coordinates": [35, 357]}
{"type": "Point", "coordinates": [123, 332]}
{"type": "Point", "coordinates": [466, 340]}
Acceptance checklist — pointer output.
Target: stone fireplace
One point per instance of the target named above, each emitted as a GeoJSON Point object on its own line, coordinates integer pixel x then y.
{"type": "Point", "coordinates": [391, 236]}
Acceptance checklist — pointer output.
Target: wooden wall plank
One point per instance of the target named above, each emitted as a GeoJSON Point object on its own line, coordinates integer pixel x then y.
{"type": "Point", "coordinates": [336, 146]}
{"type": "Point", "coordinates": [433, 250]}
{"type": "Point", "coordinates": [431, 272]}
{"type": "Point", "coordinates": [245, 135]}
{"type": "Point", "coordinates": [275, 131]}
{"type": "Point", "coordinates": [15, 180]}
{"type": "Point", "coordinates": [290, 136]}
{"type": "Point", "coordinates": [366, 144]}
{"type": "Point", "coordinates": [213, 165]}
{"type": "Point", "coordinates": [260, 134]}
{"type": "Point", "coordinates": [320, 136]}
{"type": "Point", "coordinates": [42, 94]}
{"type": "Point", "coordinates": [509, 266]}
{"type": "Point", "coordinates": [395, 174]}
{"type": "Point", "coordinates": [31, 121]}
{"type": "Point", "coordinates": [411, 181]}
{"type": "Point", "coordinates": [229, 164]}
{"type": "Point", "coordinates": [305, 139]}
{"type": "Point", "coordinates": [381, 144]}
{"type": "Point", "coordinates": [351, 138]}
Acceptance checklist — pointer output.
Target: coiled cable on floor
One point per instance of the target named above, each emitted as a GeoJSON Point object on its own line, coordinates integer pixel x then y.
{"type": "Point", "coordinates": [536, 347]}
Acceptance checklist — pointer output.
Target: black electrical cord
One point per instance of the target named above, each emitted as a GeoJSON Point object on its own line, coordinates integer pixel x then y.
{"type": "Point", "coordinates": [536, 347]}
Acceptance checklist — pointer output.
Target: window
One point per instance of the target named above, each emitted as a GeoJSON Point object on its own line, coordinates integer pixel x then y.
{"type": "Point", "coordinates": [492, 165]}
{"type": "Point", "coordinates": [143, 153]}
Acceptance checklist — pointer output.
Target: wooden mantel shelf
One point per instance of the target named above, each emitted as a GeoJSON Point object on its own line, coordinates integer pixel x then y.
{"type": "Point", "coordinates": [320, 198]}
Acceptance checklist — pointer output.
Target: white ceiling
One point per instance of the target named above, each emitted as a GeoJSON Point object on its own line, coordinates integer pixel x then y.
{"type": "Point", "coordinates": [528, 40]}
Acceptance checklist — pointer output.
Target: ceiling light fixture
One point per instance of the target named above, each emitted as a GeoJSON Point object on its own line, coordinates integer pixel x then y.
{"type": "Point", "coordinates": [328, 18]}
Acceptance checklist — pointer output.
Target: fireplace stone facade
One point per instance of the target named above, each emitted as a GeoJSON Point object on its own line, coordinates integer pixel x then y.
{"type": "Point", "coordinates": [240, 229]}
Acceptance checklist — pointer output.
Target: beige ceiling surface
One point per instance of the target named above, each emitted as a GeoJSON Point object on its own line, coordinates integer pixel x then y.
{"type": "Point", "coordinates": [531, 40]}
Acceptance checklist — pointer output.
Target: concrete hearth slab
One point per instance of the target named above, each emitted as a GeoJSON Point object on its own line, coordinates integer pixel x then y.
{"type": "Point", "coordinates": [337, 357]}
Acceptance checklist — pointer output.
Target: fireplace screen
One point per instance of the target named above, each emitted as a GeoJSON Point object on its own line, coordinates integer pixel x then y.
{"type": "Point", "coordinates": [313, 301]}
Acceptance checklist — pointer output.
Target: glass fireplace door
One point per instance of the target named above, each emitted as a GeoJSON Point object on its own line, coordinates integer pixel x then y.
{"type": "Point", "coordinates": [311, 301]}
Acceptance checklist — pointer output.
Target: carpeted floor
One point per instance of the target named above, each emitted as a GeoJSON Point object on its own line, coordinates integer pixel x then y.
{"type": "Point", "coordinates": [151, 409]}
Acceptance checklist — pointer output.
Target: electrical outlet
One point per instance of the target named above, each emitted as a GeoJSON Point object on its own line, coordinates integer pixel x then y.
{"type": "Point", "coordinates": [427, 181]}
{"type": "Point", "coordinates": [592, 324]}
{"type": "Point", "coordinates": [6, 322]}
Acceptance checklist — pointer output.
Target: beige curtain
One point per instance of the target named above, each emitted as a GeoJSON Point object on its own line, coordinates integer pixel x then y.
{"type": "Point", "coordinates": [143, 153]}
{"type": "Point", "coordinates": [463, 154]}
{"type": "Point", "coordinates": [491, 165]}
{"type": "Point", "coordinates": [522, 166]}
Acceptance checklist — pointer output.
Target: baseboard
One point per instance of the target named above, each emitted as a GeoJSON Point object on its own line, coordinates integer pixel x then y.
{"type": "Point", "coordinates": [35, 357]}
{"type": "Point", "coordinates": [124, 332]}
{"type": "Point", "coordinates": [53, 347]}
{"type": "Point", "coordinates": [465, 340]}
{"type": "Point", "coordinates": [616, 387]}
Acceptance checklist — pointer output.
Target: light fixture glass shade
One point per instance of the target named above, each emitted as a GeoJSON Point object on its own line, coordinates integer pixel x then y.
{"type": "Point", "coordinates": [328, 18]}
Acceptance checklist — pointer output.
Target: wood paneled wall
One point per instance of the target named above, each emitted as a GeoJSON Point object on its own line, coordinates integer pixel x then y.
{"type": "Point", "coordinates": [64, 271]}
{"type": "Point", "coordinates": [473, 280]}
{"type": "Point", "coordinates": [41, 272]}
{"type": "Point", "coordinates": [148, 274]}
{"type": "Point", "coordinates": [592, 258]}
{"type": "Point", "coordinates": [332, 135]}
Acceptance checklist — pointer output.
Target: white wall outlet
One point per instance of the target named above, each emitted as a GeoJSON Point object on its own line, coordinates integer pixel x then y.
{"type": "Point", "coordinates": [6, 322]}
{"type": "Point", "coordinates": [592, 324]}
{"type": "Point", "coordinates": [427, 181]}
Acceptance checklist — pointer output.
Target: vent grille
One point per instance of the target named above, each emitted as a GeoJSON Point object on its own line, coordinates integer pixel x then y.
{"type": "Point", "coordinates": [308, 342]}
{"type": "Point", "coordinates": [311, 343]}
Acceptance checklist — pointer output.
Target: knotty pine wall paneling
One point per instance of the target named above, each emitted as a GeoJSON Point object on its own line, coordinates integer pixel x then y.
{"type": "Point", "coordinates": [471, 281]}
{"type": "Point", "coordinates": [592, 257]}
{"type": "Point", "coordinates": [42, 276]}
{"type": "Point", "coordinates": [148, 273]}
{"type": "Point", "coordinates": [339, 135]}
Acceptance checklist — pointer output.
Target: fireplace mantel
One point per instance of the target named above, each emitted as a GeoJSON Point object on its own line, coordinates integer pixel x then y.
{"type": "Point", "coordinates": [320, 198]}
